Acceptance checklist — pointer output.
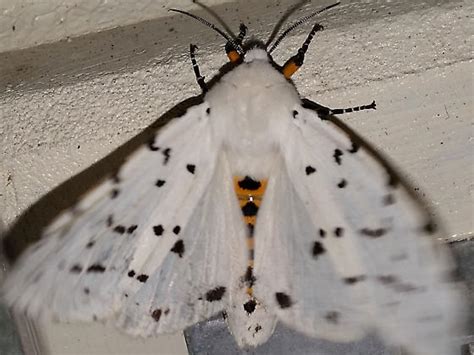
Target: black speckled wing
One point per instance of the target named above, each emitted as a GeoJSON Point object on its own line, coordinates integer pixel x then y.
{"type": "Point", "coordinates": [342, 246]}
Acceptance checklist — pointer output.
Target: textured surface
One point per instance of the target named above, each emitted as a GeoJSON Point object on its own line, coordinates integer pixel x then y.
{"type": "Point", "coordinates": [68, 104]}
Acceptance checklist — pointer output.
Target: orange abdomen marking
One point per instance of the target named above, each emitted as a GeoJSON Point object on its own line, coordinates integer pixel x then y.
{"type": "Point", "coordinates": [250, 194]}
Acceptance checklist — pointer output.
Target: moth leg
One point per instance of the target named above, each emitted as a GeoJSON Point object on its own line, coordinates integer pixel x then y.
{"type": "Point", "coordinates": [295, 62]}
{"type": "Point", "coordinates": [338, 111]}
{"type": "Point", "coordinates": [232, 53]}
{"type": "Point", "coordinates": [199, 78]}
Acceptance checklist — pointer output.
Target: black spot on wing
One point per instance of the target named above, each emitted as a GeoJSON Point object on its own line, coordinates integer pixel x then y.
{"type": "Point", "coordinates": [132, 229]}
{"type": "Point", "coordinates": [342, 184]}
{"type": "Point", "coordinates": [393, 180]}
{"type": "Point", "coordinates": [430, 227]}
{"type": "Point", "coordinates": [160, 183]}
{"type": "Point", "coordinates": [354, 148]}
{"type": "Point", "coordinates": [166, 155]}
{"type": "Point", "coordinates": [90, 244]}
{"type": "Point", "coordinates": [318, 249]}
{"type": "Point", "coordinates": [142, 278]}
{"type": "Point", "coordinates": [119, 229]}
{"type": "Point", "coordinates": [332, 317]}
{"type": "Point", "coordinates": [337, 156]}
{"type": "Point", "coordinates": [250, 305]}
{"type": "Point", "coordinates": [110, 221]}
{"type": "Point", "coordinates": [178, 248]}
{"type": "Point", "coordinates": [96, 268]}
{"type": "Point", "coordinates": [131, 273]}
{"type": "Point", "coordinates": [373, 233]}
{"type": "Point", "coordinates": [339, 232]}
{"type": "Point", "coordinates": [87, 290]}
{"type": "Point", "coordinates": [176, 230]}
{"type": "Point", "coordinates": [295, 113]}
{"type": "Point", "coordinates": [215, 294]}
{"type": "Point", "coordinates": [76, 268]}
{"type": "Point", "coordinates": [151, 145]}
{"type": "Point", "coordinates": [208, 110]}
{"type": "Point", "coordinates": [156, 314]}
{"type": "Point", "coordinates": [158, 230]}
{"type": "Point", "coordinates": [250, 209]}
{"type": "Point", "coordinates": [191, 168]}
{"type": "Point", "coordinates": [114, 193]}
{"type": "Point", "coordinates": [309, 170]}
{"type": "Point", "coordinates": [284, 301]}
{"type": "Point", "coordinates": [354, 279]}
{"type": "Point", "coordinates": [249, 184]}
{"type": "Point", "coordinates": [322, 233]}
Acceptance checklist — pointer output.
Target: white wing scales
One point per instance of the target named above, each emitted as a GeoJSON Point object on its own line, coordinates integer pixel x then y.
{"type": "Point", "coordinates": [376, 265]}
{"type": "Point", "coordinates": [140, 243]}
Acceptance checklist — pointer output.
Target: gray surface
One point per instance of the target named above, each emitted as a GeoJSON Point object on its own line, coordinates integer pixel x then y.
{"type": "Point", "coordinates": [212, 337]}
{"type": "Point", "coordinates": [9, 341]}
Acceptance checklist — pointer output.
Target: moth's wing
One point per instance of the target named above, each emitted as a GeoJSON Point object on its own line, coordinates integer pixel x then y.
{"type": "Point", "coordinates": [296, 277]}
{"type": "Point", "coordinates": [377, 263]}
{"type": "Point", "coordinates": [203, 280]}
{"type": "Point", "coordinates": [119, 237]}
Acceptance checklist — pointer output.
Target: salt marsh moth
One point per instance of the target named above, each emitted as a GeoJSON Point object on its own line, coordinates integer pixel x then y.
{"type": "Point", "coordinates": [340, 245]}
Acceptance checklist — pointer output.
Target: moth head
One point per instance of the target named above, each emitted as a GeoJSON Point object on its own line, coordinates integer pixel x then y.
{"type": "Point", "coordinates": [239, 52]}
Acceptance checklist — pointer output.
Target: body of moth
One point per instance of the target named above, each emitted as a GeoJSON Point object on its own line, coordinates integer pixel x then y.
{"type": "Point", "coordinates": [340, 246]}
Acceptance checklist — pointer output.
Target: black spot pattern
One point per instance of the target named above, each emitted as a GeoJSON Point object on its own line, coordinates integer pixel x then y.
{"type": "Point", "coordinates": [250, 305]}
{"type": "Point", "coordinates": [119, 229]}
{"type": "Point", "coordinates": [76, 269]}
{"type": "Point", "coordinates": [215, 294]}
{"type": "Point", "coordinates": [354, 148]}
{"type": "Point", "coordinates": [176, 230]}
{"type": "Point", "coordinates": [258, 328]}
{"type": "Point", "coordinates": [131, 273]}
{"type": "Point", "coordinates": [250, 209]}
{"type": "Point", "coordinates": [392, 181]}
{"type": "Point", "coordinates": [339, 232]}
{"type": "Point", "coordinates": [132, 229]}
{"type": "Point", "coordinates": [373, 233]}
{"type": "Point", "coordinates": [429, 228]}
{"type": "Point", "coordinates": [309, 170]}
{"type": "Point", "coordinates": [332, 317]}
{"type": "Point", "coordinates": [284, 301]}
{"type": "Point", "coordinates": [160, 183]}
{"type": "Point", "coordinates": [191, 168]}
{"type": "Point", "coordinates": [337, 156]}
{"type": "Point", "coordinates": [322, 233]}
{"type": "Point", "coordinates": [318, 249]}
{"type": "Point", "coordinates": [342, 184]}
{"type": "Point", "coordinates": [114, 193]}
{"type": "Point", "coordinates": [158, 230]}
{"type": "Point", "coordinates": [90, 244]}
{"type": "Point", "coordinates": [86, 290]}
{"type": "Point", "coordinates": [354, 279]}
{"type": "Point", "coordinates": [249, 184]}
{"type": "Point", "coordinates": [178, 248]}
{"type": "Point", "coordinates": [156, 314]}
{"type": "Point", "coordinates": [166, 154]}
{"type": "Point", "coordinates": [208, 110]}
{"type": "Point", "coordinates": [142, 278]}
{"type": "Point", "coordinates": [110, 221]}
{"type": "Point", "coordinates": [386, 279]}
{"type": "Point", "coordinates": [152, 146]}
{"type": "Point", "coordinates": [295, 113]}
{"type": "Point", "coordinates": [96, 268]}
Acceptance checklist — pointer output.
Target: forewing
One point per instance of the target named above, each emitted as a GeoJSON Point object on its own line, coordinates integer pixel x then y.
{"type": "Point", "coordinates": [377, 238]}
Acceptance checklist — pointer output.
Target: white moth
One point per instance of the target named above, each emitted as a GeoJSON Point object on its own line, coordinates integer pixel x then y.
{"type": "Point", "coordinates": [340, 246]}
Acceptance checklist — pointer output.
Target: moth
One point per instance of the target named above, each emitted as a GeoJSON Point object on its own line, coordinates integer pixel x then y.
{"type": "Point", "coordinates": [257, 203]}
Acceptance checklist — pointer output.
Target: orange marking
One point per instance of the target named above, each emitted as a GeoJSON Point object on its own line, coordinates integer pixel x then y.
{"type": "Point", "coordinates": [233, 56]}
{"type": "Point", "coordinates": [289, 69]}
{"type": "Point", "coordinates": [244, 196]}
